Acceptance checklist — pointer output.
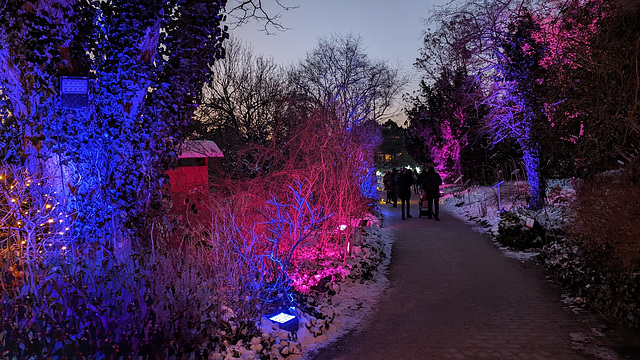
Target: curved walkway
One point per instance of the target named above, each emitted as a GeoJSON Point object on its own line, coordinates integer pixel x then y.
{"type": "Point", "coordinates": [454, 295]}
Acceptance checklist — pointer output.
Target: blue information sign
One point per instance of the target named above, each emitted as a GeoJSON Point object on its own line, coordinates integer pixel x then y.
{"type": "Point", "coordinates": [74, 92]}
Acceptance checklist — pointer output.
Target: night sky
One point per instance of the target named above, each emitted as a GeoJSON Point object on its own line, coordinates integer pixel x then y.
{"type": "Point", "coordinates": [391, 30]}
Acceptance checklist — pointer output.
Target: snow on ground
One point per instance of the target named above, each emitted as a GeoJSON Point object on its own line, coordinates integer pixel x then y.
{"type": "Point", "coordinates": [344, 310]}
{"type": "Point", "coordinates": [478, 206]}
{"type": "Point", "coordinates": [353, 302]}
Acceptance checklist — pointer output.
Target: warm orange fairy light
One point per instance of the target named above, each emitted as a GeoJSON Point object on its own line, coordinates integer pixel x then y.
{"type": "Point", "coordinates": [64, 248]}
{"type": "Point", "coordinates": [50, 221]}
{"type": "Point", "coordinates": [48, 206]}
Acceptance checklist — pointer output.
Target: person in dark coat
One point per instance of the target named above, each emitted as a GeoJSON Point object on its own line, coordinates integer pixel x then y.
{"type": "Point", "coordinates": [404, 191]}
{"type": "Point", "coordinates": [385, 181]}
{"type": "Point", "coordinates": [393, 184]}
{"type": "Point", "coordinates": [431, 186]}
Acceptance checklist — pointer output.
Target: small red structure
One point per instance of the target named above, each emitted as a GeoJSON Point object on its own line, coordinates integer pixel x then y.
{"type": "Point", "coordinates": [192, 172]}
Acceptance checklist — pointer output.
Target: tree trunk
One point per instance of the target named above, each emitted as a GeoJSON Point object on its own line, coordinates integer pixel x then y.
{"type": "Point", "coordinates": [531, 159]}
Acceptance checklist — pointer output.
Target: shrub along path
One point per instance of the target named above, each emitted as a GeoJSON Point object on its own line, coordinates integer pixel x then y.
{"type": "Point", "coordinates": [454, 295]}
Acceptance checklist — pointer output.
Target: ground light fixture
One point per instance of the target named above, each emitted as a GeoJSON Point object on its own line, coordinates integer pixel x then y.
{"type": "Point", "coordinates": [285, 321]}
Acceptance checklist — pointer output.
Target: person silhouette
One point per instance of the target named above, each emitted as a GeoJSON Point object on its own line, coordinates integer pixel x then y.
{"type": "Point", "coordinates": [405, 181]}
{"type": "Point", "coordinates": [431, 186]}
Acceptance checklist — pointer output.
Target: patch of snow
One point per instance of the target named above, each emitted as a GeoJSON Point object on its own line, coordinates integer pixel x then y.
{"type": "Point", "coordinates": [519, 255]}
{"type": "Point", "coordinates": [351, 305]}
{"type": "Point", "coordinates": [477, 206]}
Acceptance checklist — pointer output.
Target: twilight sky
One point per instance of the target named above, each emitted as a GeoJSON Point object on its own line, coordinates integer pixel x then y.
{"type": "Point", "coordinates": [391, 29]}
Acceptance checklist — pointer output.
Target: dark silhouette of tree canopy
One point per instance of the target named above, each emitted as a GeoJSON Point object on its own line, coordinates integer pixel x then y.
{"type": "Point", "coordinates": [245, 103]}
{"type": "Point", "coordinates": [267, 13]}
{"type": "Point", "coordinates": [392, 135]}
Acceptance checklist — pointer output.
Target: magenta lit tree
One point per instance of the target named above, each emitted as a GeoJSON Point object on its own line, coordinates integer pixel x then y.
{"type": "Point", "coordinates": [497, 49]}
{"type": "Point", "coordinates": [444, 119]}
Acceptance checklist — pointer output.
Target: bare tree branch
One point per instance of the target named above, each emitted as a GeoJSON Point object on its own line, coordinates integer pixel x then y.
{"type": "Point", "coordinates": [340, 78]}
{"type": "Point", "coordinates": [241, 11]}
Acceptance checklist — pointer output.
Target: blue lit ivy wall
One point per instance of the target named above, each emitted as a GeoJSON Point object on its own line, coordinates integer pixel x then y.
{"type": "Point", "coordinates": [147, 62]}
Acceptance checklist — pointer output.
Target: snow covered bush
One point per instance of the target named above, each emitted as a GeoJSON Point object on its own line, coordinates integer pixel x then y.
{"type": "Point", "coordinates": [615, 295]}
{"type": "Point", "coordinates": [513, 232]}
{"type": "Point", "coordinates": [599, 261]}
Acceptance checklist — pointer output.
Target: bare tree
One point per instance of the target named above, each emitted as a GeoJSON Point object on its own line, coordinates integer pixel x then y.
{"type": "Point", "coordinates": [244, 103]}
{"type": "Point", "coordinates": [339, 77]}
{"type": "Point", "coordinates": [241, 11]}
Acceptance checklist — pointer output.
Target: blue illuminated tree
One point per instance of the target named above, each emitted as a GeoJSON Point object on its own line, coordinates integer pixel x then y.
{"type": "Point", "coordinates": [147, 62]}
{"type": "Point", "coordinates": [521, 116]}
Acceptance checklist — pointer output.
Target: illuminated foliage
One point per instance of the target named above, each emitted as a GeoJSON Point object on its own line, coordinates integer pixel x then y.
{"type": "Point", "coordinates": [594, 84]}
{"type": "Point", "coordinates": [444, 124]}
{"type": "Point", "coordinates": [521, 74]}
{"type": "Point", "coordinates": [34, 225]}
{"type": "Point", "coordinates": [147, 62]}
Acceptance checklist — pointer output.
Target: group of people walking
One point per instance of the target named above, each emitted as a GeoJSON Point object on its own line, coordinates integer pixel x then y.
{"type": "Point", "coordinates": [398, 185]}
